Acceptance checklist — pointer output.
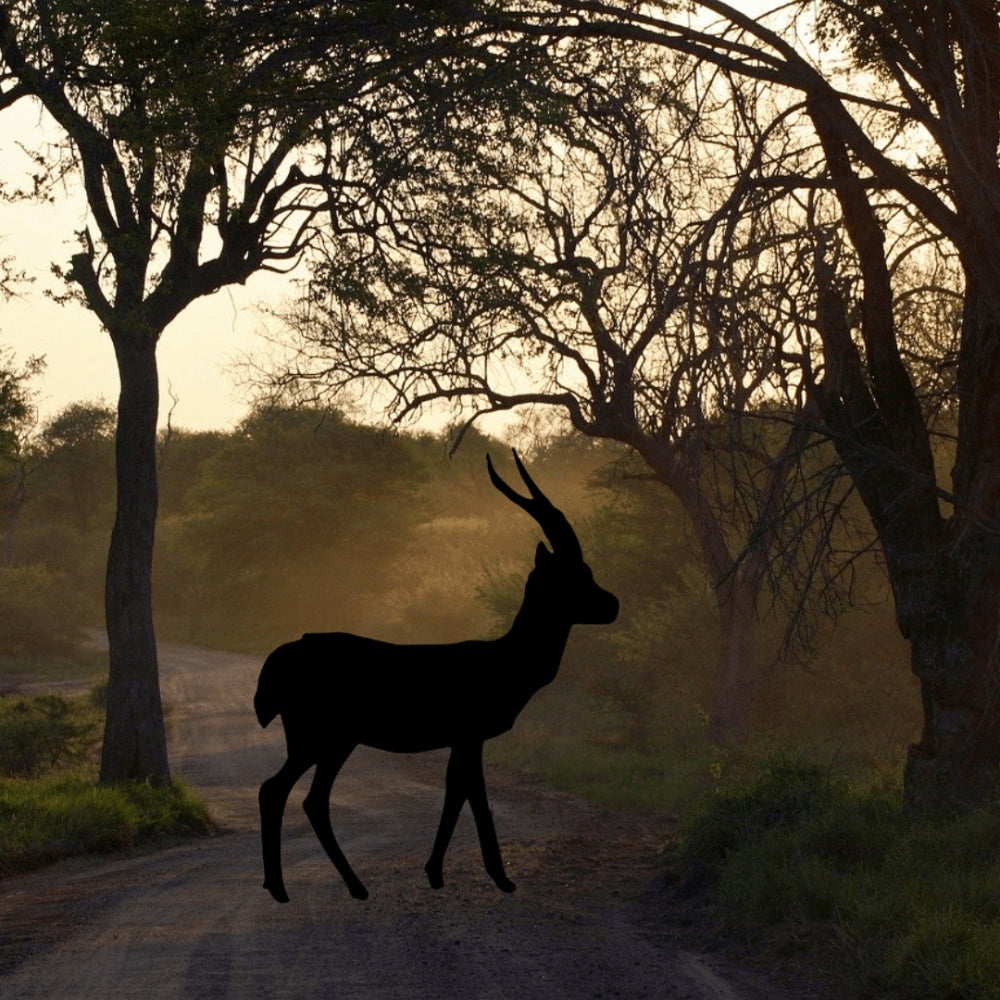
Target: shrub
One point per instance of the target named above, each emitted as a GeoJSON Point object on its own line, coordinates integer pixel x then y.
{"type": "Point", "coordinates": [781, 796]}
{"type": "Point", "coordinates": [40, 734]}
{"type": "Point", "coordinates": [902, 908]}
{"type": "Point", "coordinates": [40, 611]}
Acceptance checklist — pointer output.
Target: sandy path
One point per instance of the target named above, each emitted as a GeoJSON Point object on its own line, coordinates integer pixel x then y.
{"type": "Point", "coordinates": [193, 921]}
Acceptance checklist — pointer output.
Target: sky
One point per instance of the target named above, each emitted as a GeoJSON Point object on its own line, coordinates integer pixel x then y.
{"type": "Point", "coordinates": [194, 353]}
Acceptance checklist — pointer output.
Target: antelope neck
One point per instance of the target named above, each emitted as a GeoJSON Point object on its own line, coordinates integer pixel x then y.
{"type": "Point", "coordinates": [539, 633]}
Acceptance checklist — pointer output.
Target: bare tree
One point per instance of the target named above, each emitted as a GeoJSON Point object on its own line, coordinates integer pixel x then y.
{"type": "Point", "coordinates": [921, 122]}
{"type": "Point", "coordinates": [211, 139]}
{"type": "Point", "coordinates": [593, 262]}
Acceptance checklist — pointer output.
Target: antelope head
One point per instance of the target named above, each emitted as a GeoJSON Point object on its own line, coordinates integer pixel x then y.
{"type": "Point", "coordinates": [560, 574]}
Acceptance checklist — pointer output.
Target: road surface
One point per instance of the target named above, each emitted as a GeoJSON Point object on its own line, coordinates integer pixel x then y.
{"type": "Point", "coordinates": [192, 921]}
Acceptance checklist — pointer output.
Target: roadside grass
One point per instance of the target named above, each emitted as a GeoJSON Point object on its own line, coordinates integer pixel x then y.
{"type": "Point", "coordinates": [62, 815]}
{"type": "Point", "coordinates": [51, 805]}
{"type": "Point", "coordinates": [795, 859]}
{"type": "Point", "coordinates": [806, 862]}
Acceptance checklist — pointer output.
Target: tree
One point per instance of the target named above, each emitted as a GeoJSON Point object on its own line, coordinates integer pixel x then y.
{"type": "Point", "coordinates": [210, 139]}
{"type": "Point", "coordinates": [914, 135]}
{"type": "Point", "coordinates": [587, 262]}
{"type": "Point", "coordinates": [876, 169]}
{"type": "Point", "coordinates": [76, 444]}
{"type": "Point", "coordinates": [16, 423]}
{"type": "Point", "coordinates": [294, 521]}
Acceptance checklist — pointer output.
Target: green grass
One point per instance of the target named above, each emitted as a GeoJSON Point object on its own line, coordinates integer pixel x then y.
{"type": "Point", "coordinates": [808, 862]}
{"type": "Point", "coordinates": [800, 860]}
{"type": "Point", "coordinates": [83, 665]}
{"type": "Point", "coordinates": [596, 749]}
{"type": "Point", "coordinates": [62, 815]}
{"type": "Point", "coordinates": [52, 807]}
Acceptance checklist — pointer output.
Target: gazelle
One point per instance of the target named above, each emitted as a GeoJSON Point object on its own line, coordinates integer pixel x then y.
{"type": "Point", "coordinates": [335, 690]}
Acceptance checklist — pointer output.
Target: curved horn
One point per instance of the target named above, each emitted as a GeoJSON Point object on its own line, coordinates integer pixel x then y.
{"type": "Point", "coordinates": [551, 520]}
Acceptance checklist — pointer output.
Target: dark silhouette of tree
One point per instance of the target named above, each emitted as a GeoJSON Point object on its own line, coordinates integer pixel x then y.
{"type": "Point", "coordinates": [591, 266]}
{"type": "Point", "coordinates": [211, 140]}
{"type": "Point", "coordinates": [871, 176]}
{"type": "Point", "coordinates": [913, 137]}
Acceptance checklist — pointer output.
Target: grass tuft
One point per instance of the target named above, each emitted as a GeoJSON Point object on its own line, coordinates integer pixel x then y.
{"type": "Point", "coordinates": [61, 815]}
{"type": "Point", "coordinates": [905, 907]}
{"type": "Point", "coordinates": [52, 807]}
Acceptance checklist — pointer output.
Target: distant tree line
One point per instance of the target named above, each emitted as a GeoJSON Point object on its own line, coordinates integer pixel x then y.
{"type": "Point", "coordinates": [302, 520]}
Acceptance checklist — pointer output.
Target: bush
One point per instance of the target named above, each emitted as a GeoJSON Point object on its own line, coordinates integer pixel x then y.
{"type": "Point", "coordinates": [50, 805]}
{"type": "Point", "coordinates": [40, 734]}
{"type": "Point", "coordinates": [40, 611]}
{"type": "Point", "coordinates": [780, 797]}
{"type": "Point", "coordinates": [901, 907]}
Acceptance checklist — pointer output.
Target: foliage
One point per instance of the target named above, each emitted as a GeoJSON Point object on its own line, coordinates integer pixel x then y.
{"type": "Point", "coordinates": [288, 525]}
{"type": "Point", "coordinates": [805, 860]}
{"type": "Point", "coordinates": [17, 416]}
{"type": "Point", "coordinates": [39, 610]}
{"type": "Point", "coordinates": [299, 522]}
{"type": "Point", "coordinates": [593, 269]}
{"type": "Point", "coordinates": [212, 141]}
{"type": "Point", "coordinates": [65, 814]}
{"type": "Point", "coordinates": [44, 733]}
{"type": "Point", "coordinates": [50, 806]}
{"type": "Point", "coordinates": [15, 400]}
{"type": "Point", "coordinates": [722, 217]}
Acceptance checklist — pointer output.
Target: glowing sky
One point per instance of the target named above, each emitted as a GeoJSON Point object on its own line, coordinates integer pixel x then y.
{"type": "Point", "coordinates": [194, 351]}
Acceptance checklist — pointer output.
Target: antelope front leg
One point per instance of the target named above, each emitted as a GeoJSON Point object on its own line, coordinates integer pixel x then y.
{"type": "Point", "coordinates": [465, 781]}
{"type": "Point", "coordinates": [454, 799]}
{"type": "Point", "coordinates": [476, 791]}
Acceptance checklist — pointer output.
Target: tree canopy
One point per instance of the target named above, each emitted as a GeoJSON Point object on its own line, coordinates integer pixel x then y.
{"type": "Point", "coordinates": [853, 146]}
{"type": "Point", "coordinates": [212, 141]}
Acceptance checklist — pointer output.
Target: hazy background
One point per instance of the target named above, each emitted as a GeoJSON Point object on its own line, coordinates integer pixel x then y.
{"type": "Point", "coordinates": [196, 350]}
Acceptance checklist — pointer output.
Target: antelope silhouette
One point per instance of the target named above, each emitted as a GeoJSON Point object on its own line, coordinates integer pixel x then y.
{"type": "Point", "coordinates": [336, 690]}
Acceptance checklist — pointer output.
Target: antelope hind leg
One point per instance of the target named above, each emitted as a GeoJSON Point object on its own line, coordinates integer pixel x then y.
{"type": "Point", "coordinates": [272, 798]}
{"type": "Point", "coordinates": [317, 808]}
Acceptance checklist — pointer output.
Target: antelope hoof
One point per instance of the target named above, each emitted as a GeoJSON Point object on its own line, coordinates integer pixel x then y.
{"type": "Point", "coordinates": [358, 891]}
{"type": "Point", "coordinates": [435, 875]}
{"type": "Point", "coordinates": [503, 883]}
{"type": "Point", "coordinates": [277, 891]}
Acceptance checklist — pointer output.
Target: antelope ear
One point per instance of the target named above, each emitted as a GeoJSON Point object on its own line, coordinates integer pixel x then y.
{"type": "Point", "coordinates": [542, 554]}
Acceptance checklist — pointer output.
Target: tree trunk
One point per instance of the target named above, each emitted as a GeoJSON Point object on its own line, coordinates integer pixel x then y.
{"type": "Point", "coordinates": [956, 644]}
{"type": "Point", "coordinates": [736, 674]}
{"type": "Point", "coordinates": [135, 746]}
{"type": "Point", "coordinates": [956, 764]}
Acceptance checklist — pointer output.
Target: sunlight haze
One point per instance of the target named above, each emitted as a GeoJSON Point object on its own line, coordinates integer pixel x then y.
{"type": "Point", "coordinates": [194, 353]}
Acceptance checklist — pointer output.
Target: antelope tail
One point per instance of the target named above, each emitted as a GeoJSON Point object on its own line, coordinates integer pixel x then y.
{"type": "Point", "coordinates": [267, 699]}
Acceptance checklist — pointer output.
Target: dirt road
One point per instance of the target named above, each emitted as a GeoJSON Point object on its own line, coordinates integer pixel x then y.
{"type": "Point", "coordinates": [193, 921]}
